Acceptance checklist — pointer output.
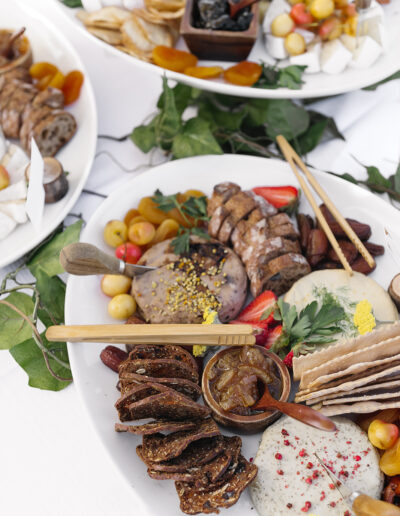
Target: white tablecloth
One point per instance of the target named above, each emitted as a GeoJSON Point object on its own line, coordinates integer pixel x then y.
{"type": "Point", "coordinates": [51, 463]}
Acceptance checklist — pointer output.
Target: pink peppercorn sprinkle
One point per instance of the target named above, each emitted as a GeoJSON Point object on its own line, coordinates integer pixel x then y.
{"type": "Point", "coordinates": [278, 456]}
{"type": "Point", "coordinates": [357, 457]}
{"type": "Point", "coordinates": [302, 452]}
{"type": "Point", "coordinates": [279, 471]}
{"type": "Point", "coordinates": [309, 465]}
{"type": "Point", "coordinates": [307, 507]}
{"type": "Point", "coordinates": [286, 442]}
{"type": "Point", "coordinates": [284, 432]}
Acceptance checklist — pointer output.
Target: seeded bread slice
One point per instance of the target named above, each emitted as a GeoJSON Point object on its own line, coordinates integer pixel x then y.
{"type": "Point", "coordinates": [53, 132]}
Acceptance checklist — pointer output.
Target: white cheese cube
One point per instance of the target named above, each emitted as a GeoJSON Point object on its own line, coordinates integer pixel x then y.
{"type": "Point", "coordinates": [15, 210]}
{"type": "Point", "coordinates": [350, 42]}
{"type": "Point", "coordinates": [15, 161]}
{"type": "Point", "coordinates": [275, 46]}
{"type": "Point", "coordinates": [92, 5]}
{"type": "Point", "coordinates": [376, 31]}
{"type": "Point", "coordinates": [106, 3]}
{"type": "Point", "coordinates": [276, 8]}
{"type": "Point", "coordinates": [7, 224]}
{"type": "Point", "coordinates": [334, 57]}
{"type": "Point", "coordinates": [366, 53]}
{"type": "Point", "coordinates": [311, 59]}
{"type": "Point", "coordinates": [307, 35]}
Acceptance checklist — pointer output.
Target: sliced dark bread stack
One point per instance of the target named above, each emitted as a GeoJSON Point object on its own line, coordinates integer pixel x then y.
{"type": "Point", "coordinates": [265, 240]}
{"type": "Point", "coordinates": [182, 443]}
{"type": "Point", "coordinates": [26, 112]}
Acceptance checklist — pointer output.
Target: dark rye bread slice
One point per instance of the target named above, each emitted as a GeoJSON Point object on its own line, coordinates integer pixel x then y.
{"type": "Point", "coordinates": [53, 132]}
{"type": "Point", "coordinates": [209, 473]}
{"type": "Point", "coordinates": [138, 392]}
{"type": "Point", "coordinates": [195, 501]}
{"type": "Point", "coordinates": [196, 454]}
{"type": "Point", "coordinates": [150, 351]}
{"type": "Point", "coordinates": [158, 448]}
{"type": "Point", "coordinates": [162, 425]}
{"type": "Point", "coordinates": [185, 387]}
{"type": "Point", "coordinates": [160, 367]}
{"type": "Point", "coordinates": [167, 405]}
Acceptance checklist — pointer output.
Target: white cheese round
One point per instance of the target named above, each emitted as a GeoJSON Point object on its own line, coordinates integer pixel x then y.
{"type": "Point", "coordinates": [289, 474]}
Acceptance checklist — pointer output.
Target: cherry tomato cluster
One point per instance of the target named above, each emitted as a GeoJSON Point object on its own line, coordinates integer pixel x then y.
{"type": "Point", "coordinates": [141, 228]}
{"type": "Point", "coordinates": [328, 18]}
{"type": "Point", "coordinates": [48, 75]}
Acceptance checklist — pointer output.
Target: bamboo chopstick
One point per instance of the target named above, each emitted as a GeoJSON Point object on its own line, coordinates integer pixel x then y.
{"type": "Point", "coordinates": [191, 334]}
{"type": "Point", "coordinates": [292, 158]}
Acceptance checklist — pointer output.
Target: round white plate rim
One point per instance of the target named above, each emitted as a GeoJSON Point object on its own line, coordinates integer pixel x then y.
{"type": "Point", "coordinates": [39, 237]}
{"type": "Point", "coordinates": [225, 88]}
{"type": "Point", "coordinates": [220, 162]}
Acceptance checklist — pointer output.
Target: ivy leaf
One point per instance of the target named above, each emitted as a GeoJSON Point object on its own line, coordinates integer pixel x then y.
{"type": "Point", "coordinates": [72, 3]}
{"type": "Point", "coordinates": [229, 120]}
{"type": "Point", "coordinates": [286, 118]}
{"type": "Point", "coordinates": [169, 122]}
{"type": "Point", "coordinates": [182, 95]}
{"type": "Point", "coordinates": [396, 179]}
{"type": "Point", "coordinates": [144, 136]}
{"type": "Point", "coordinates": [13, 328]}
{"type": "Point", "coordinates": [195, 139]}
{"type": "Point", "coordinates": [257, 112]}
{"type": "Point", "coordinates": [376, 179]}
{"type": "Point", "coordinates": [373, 87]}
{"type": "Point", "coordinates": [47, 258]}
{"type": "Point", "coordinates": [311, 138]}
{"type": "Point", "coordinates": [52, 295]}
{"type": "Point", "coordinates": [30, 358]}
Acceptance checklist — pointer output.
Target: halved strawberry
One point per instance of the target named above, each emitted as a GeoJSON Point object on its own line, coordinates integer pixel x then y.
{"type": "Point", "coordinates": [288, 360]}
{"type": "Point", "coordinates": [273, 336]}
{"type": "Point", "coordinates": [260, 330]}
{"type": "Point", "coordinates": [258, 306]}
{"type": "Point", "coordinates": [285, 198]}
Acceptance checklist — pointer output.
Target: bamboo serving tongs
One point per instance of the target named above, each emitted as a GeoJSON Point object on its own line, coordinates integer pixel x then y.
{"type": "Point", "coordinates": [295, 161]}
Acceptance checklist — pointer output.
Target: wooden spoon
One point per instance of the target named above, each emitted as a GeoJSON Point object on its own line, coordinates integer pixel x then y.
{"type": "Point", "coordinates": [235, 7]}
{"type": "Point", "coordinates": [302, 413]}
{"type": "Point", "coordinates": [5, 51]}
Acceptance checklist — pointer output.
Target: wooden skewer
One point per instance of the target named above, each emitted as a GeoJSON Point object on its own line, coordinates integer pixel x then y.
{"type": "Point", "coordinates": [294, 159]}
{"type": "Point", "coordinates": [191, 334]}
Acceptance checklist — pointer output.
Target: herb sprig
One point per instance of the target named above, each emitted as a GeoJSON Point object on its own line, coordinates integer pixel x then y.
{"type": "Point", "coordinates": [273, 77]}
{"type": "Point", "coordinates": [193, 211]}
{"type": "Point", "coordinates": [302, 332]}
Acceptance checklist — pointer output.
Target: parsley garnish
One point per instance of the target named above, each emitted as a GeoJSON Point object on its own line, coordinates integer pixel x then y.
{"type": "Point", "coordinates": [303, 331]}
{"type": "Point", "coordinates": [273, 77]}
{"type": "Point", "coordinates": [194, 208]}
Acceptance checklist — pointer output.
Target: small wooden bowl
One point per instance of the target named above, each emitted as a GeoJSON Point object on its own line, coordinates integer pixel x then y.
{"type": "Point", "coordinates": [248, 424]}
{"type": "Point", "coordinates": [223, 45]}
{"type": "Point", "coordinates": [25, 58]}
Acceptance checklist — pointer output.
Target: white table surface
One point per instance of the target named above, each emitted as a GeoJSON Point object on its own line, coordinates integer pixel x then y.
{"type": "Point", "coordinates": [51, 463]}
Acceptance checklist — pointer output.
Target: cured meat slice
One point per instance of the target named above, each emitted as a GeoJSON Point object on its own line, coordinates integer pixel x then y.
{"type": "Point", "coordinates": [161, 367]}
{"type": "Point", "coordinates": [31, 116]}
{"type": "Point", "coordinates": [238, 207]}
{"type": "Point", "coordinates": [194, 500]}
{"type": "Point", "coordinates": [146, 351]}
{"type": "Point", "coordinates": [155, 427]}
{"type": "Point", "coordinates": [158, 448]}
{"type": "Point", "coordinates": [196, 454]}
{"type": "Point", "coordinates": [221, 193]}
{"type": "Point", "coordinates": [167, 405]}
{"type": "Point", "coordinates": [50, 97]}
{"type": "Point", "coordinates": [11, 116]}
{"type": "Point", "coordinates": [185, 387]}
{"type": "Point", "coordinates": [53, 132]}
{"type": "Point", "coordinates": [210, 472]}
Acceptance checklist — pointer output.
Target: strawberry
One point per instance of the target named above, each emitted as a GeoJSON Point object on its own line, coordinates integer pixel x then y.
{"type": "Point", "coordinates": [273, 336]}
{"type": "Point", "coordinates": [288, 360]}
{"type": "Point", "coordinates": [260, 330]}
{"type": "Point", "coordinates": [285, 198]}
{"type": "Point", "coordinates": [258, 306]}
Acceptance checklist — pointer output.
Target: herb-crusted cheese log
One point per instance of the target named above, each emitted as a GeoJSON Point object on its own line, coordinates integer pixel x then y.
{"type": "Point", "coordinates": [289, 474]}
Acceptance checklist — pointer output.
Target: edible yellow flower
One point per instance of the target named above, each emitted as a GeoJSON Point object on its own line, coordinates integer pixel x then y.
{"type": "Point", "coordinates": [363, 317]}
{"type": "Point", "coordinates": [209, 317]}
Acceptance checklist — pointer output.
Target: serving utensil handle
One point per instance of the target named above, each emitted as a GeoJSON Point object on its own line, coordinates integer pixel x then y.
{"type": "Point", "coordinates": [302, 413]}
{"type": "Point", "coordinates": [364, 505]}
{"type": "Point", "coordinates": [86, 259]}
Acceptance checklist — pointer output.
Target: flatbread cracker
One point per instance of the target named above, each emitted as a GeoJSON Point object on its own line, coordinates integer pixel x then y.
{"type": "Point", "coordinates": [382, 383]}
{"type": "Point", "coordinates": [350, 385]}
{"type": "Point", "coordinates": [305, 362]}
{"type": "Point", "coordinates": [365, 397]}
{"type": "Point", "coordinates": [385, 348]}
{"type": "Point", "coordinates": [359, 408]}
{"type": "Point", "coordinates": [353, 370]}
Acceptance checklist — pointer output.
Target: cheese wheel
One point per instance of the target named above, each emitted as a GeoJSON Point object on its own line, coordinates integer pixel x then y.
{"type": "Point", "coordinates": [289, 474]}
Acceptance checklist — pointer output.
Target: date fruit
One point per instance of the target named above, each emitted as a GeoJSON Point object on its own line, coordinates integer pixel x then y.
{"type": "Point", "coordinates": [374, 249]}
{"type": "Point", "coordinates": [306, 224]}
{"type": "Point", "coordinates": [317, 246]}
{"type": "Point", "coordinates": [363, 231]}
{"type": "Point", "coordinates": [111, 356]}
{"type": "Point", "coordinates": [360, 265]}
{"type": "Point", "coordinates": [349, 251]}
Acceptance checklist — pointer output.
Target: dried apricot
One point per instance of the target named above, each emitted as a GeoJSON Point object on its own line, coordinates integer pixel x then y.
{"type": "Point", "coordinates": [193, 193]}
{"type": "Point", "coordinates": [204, 72]}
{"type": "Point", "coordinates": [167, 229]}
{"type": "Point", "coordinates": [72, 86]}
{"type": "Point", "coordinates": [44, 82]}
{"type": "Point", "coordinates": [130, 215]}
{"type": "Point", "coordinates": [148, 209]}
{"type": "Point", "coordinates": [42, 69]}
{"type": "Point", "coordinates": [57, 81]}
{"type": "Point", "coordinates": [244, 73]}
{"type": "Point", "coordinates": [173, 59]}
